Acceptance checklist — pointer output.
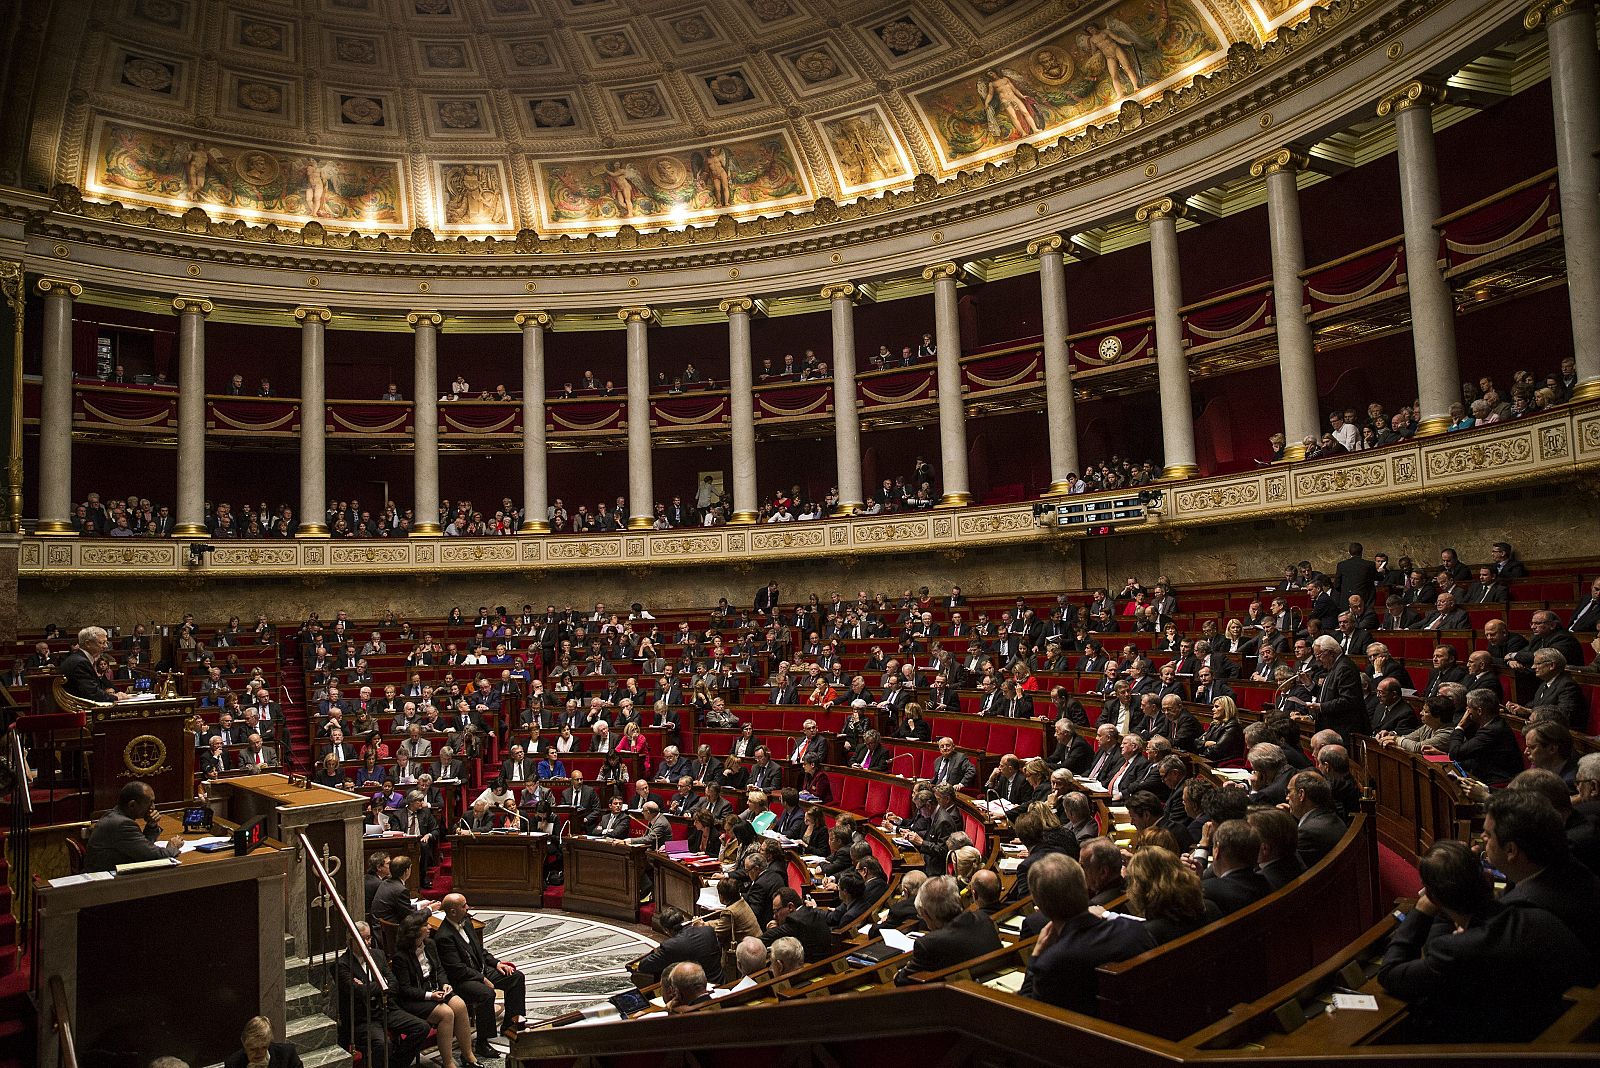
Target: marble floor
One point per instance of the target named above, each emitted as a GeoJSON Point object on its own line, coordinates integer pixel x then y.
{"type": "Point", "coordinates": [571, 962]}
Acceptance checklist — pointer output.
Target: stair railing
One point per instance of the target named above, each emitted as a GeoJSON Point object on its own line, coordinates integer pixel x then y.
{"type": "Point", "coordinates": [367, 1004]}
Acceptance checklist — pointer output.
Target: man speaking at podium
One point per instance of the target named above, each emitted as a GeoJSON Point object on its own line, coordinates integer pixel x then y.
{"type": "Point", "coordinates": [82, 680]}
{"type": "Point", "coordinates": [117, 839]}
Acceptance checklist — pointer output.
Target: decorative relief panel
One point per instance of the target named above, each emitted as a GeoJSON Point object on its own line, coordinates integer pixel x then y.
{"type": "Point", "coordinates": [1277, 487]}
{"type": "Point", "coordinates": [633, 548]}
{"type": "Point", "coordinates": [1364, 476]}
{"type": "Point", "coordinates": [423, 552]}
{"type": "Point", "coordinates": [1239, 495]}
{"type": "Point", "coordinates": [839, 535]}
{"type": "Point", "coordinates": [465, 116]}
{"type": "Point", "coordinates": [1553, 443]}
{"type": "Point", "coordinates": [1589, 434]}
{"type": "Point", "coordinates": [691, 545]}
{"type": "Point", "coordinates": [996, 523]}
{"type": "Point", "coordinates": [942, 527]}
{"type": "Point", "coordinates": [254, 556]}
{"type": "Point", "coordinates": [1405, 469]}
{"type": "Point", "coordinates": [126, 556]}
{"type": "Point", "coordinates": [1479, 456]}
{"type": "Point", "coordinates": [768, 540]}
{"type": "Point", "coordinates": [357, 555]}
{"type": "Point", "coordinates": [259, 35]}
{"type": "Point", "coordinates": [599, 549]}
{"type": "Point", "coordinates": [876, 533]}
{"type": "Point", "coordinates": [532, 550]}
{"type": "Point", "coordinates": [494, 552]}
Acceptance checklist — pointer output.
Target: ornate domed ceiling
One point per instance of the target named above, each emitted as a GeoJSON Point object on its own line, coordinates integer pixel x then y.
{"type": "Point", "coordinates": [493, 116]}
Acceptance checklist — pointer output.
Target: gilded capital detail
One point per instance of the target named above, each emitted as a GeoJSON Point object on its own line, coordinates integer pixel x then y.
{"type": "Point", "coordinates": [1284, 159]}
{"type": "Point", "coordinates": [199, 305]}
{"type": "Point", "coordinates": [1039, 246]}
{"type": "Point", "coordinates": [938, 271]}
{"type": "Point", "coordinates": [640, 314]}
{"type": "Point", "coordinates": [308, 313]}
{"type": "Point", "coordinates": [1545, 12]}
{"type": "Point", "coordinates": [1165, 208]}
{"type": "Point", "coordinates": [419, 318]}
{"type": "Point", "coordinates": [741, 305]}
{"type": "Point", "coordinates": [60, 285]}
{"type": "Point", "coordinates": [1418, 94]}
{"type": "Point", "coordinates": [532, 318]}
{"type": "Point", "coordinates": [838, 290]}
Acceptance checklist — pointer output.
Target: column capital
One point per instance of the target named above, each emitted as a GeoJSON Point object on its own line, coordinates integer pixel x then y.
{"type": "Point", "coordinates": [1413, 94]}
{"type": "Point", "coordinates": [192, 304]}
{"type": "Point", "coordinates": [742, 305]}
{"type": "Point", "coordinates": [1048, 243]}
{"type": "Point", "coordinates": [638, 314]}
{"type": "Point", "coordinates": [60, 285]}
{"type": "Point", "coordinates": [1164, 208]}
{"type": "Point", "coordinates": [418, 318]}
{"type": "Point", "coordinates": [1284, 159]}
{"type": "Point", "coordinates": [1544, 12]}
{"type": "Point", "coordinates": [307, 312]}
{"type": "Point", "coordinates": [533, 318]}
{"type": "Point", "coordinates": [940, 270]}
{"type": "Point", "coordinates": [838, 290]}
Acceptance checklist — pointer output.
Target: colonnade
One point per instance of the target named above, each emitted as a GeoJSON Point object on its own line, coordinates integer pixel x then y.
{"type": "Point", "coordinates": [1575, 70]}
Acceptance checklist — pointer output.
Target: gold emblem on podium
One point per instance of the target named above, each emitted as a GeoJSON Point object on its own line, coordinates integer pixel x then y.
{"type": "Point", "coordinates": [145, 754]}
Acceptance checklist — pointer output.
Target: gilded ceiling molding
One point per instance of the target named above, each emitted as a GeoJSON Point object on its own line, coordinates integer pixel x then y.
{"type": "Point", "coordinates": [1547, 11]}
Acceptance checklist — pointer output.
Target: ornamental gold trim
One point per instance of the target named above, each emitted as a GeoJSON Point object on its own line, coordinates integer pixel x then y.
{"type": "Point", "coordinates": [538, 319]}
{"type": "Point", "coordinates": [740, 305]}
{"type": "Point", "coordinates": [58, 285]}
{"type": "Point", "coordinates": [418, 319]}
{"type": "Point", "coordinates": [310, 313]}
{"type": "Point", "coordinates": [1415, 94]}
{"type": "Point", "coordinates": [194, 305]}
{"type": "Point", "coordinates": [1545, 12]}
{"type": "Point", "coordinates": [1284, 159]}
{"type": "Point", "coordinates": [1041, 246]}
{"type": "Point", "coordinates": [144, 755]}
{"type": "Point", "coordinates": [839, 291]}
{"type": "Point", "coordinates": [938, 271]}
{"type": "Point", "coordinates": [639, 314]}
{"type": "Point", "coordinates": [1164, 208]}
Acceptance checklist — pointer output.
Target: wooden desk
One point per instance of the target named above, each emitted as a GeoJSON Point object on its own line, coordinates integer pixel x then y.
{"type": "Point", "coordinates": [212, 923]}
{"type": "Point", "coordinates": [602, 876]}
{"type": "Point", "coordinates": [500, 869]}
{"type": "Point", "coordinates": [677, 884]}
{"type": "Point", "coordinates": [1419, 801]}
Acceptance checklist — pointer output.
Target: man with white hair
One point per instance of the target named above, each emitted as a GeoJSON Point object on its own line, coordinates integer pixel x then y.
{"type": "Point", "coordinates": [1339, 703]}
{"type": "Point", "coordinates": [82, 680]}
{"type": "Point", "coordinates": [750, 956]}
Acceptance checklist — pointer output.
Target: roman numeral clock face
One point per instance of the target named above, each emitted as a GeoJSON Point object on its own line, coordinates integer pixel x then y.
{"type": "Point", "coordinates": [1110, 348]}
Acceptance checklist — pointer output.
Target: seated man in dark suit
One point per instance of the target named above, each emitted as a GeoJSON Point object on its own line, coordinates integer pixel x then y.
{"type": "Point", "coordinates": [1232, 881]}
{"type": "Point", "coordinates": [1556, 694]}
{"type": "Point", "coordinates": [764, 883]}
{"type": "Point", "coordinates": [383, 1032]}
{"type": "Point", "coordinates": [476, 974]}
{"type": "Point", "coordinates": [391, 900]}
{"type": "Point", "coordinates": [1076, 941]}
{"type": "Point", "coordinates": [1320, 828]}
{"type": "Point", "coordinates": [685, 941]}
{"type": "Point", "coordinates": [78, 667]}
{"type": "Point", "coordinates": [955, 933]}
{"type": "Point", "coordinates": [1473, 969]}
{"type": "Point", "coordinates": [1524, 838]}
{"type": "Point", "coordinates": [793, 917]}
{"type": "Point", "coordinates": [1483, 742]}
{"type": "Point", "coordinates": [118, 839]}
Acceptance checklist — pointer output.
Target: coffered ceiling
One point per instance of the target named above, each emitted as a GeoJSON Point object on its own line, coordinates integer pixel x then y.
{"type": "Point", "coordinates": [577, 116]}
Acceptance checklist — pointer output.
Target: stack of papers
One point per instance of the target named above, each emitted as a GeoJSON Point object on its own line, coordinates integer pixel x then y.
{"type": "Point", "coordinates": [898, 941]}
{"type": "Point", "coordinates": [1094, 786]}
{"type": "Point", "coordinates": [203, 843]}
{"type": "Point", "coordinates": [1011, 863]}
{"type": "Point", "coordinates": [708, 899]}
{"type": "Point", "coordinates": [85, 877]}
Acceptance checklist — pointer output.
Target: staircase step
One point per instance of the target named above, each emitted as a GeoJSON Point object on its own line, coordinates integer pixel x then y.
{"type": "Point", "coordinates": [311, 1032]}
{"type": "Point", "coordinates": [331, 1057]}
{"type": "Point", "coordinates": [296, 971]}
{"type": "Point", "coordinates": [303, 999]}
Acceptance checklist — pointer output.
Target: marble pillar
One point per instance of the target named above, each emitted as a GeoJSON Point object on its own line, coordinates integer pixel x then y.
{"type": "Point", "coordinates": [1061, 409]}
{"type": "Point", "coordinates": [952, 411]}
{"type": "Point", "coordinates": [1433, 310]}
{"type": "Point", "coordinates": [1172, 362]}
{"type": "Point", "coordinates": [191, 514]}
{"type": "Point", "coordinates": [313, 421]}
{"type": "Point", "coordinates": [1575, 98]}
{"type": "Point", "coordinates": [1297, 359]}
{"type": "Point", "coordinates": [425, 425]}
{"type": "Point", "coordinates": [535, 470]}
{"type": "Point", "coordinates": [846, 415]}
{"type": "Point", "coordinates": [742, 399]}
{"type": "Point", "coordinates": [641, 479]}
{"type": "Point", "coordinates": [55, 408]}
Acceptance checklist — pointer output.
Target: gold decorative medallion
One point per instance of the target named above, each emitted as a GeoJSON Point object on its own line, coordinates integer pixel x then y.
{"type": "Point", "coordinates": [145, 754]}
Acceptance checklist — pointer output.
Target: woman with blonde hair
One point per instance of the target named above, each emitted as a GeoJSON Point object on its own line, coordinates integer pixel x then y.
{"type": "Point", "coordinates": [1224, 739]}
{"type": "Point", "coordinates": [1233, 635]}
{"type": "Point", "coordinates": [1166, 892]}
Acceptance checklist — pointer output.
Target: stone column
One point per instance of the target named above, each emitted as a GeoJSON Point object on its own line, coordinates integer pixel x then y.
{"type": "Point", "coordinates": [1172, 363]}
{"type": "Point", "coordinates": [641, 483]}
{"type": "Point", "coordinates": [535, 473]}
{"type": "Point", "coordinates": [846, 417]}
{"type": "Point", "coordinates": [1433, 311]}
{"type": "Point", "coordinates": [313, 422]}
{"type": "Point", "coordinates": [742, 400]}
{"type": "Point", "coordinates": [191, 514]}
{"type": "Point", "coordinates": [1575, 99]}
{"type": "Point", "coordinates": [952, 412]}
{"type": "Point", "coordinates": [1297, 359]}
{"type": "Point", "coordinates": [425, 425]}
{"type": "Point", "coordinates": [55, 409]}
{"type": "Point", "coordinates": [1061, 410]}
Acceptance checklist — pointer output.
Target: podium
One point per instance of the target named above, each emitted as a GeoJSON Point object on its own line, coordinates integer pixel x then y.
{"type": "Point", "coordinates": [602, 876]}
{"type": "Point", "coordinates": [331, 820]}
{"type": "Point", "coordinates": [165, 961]}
